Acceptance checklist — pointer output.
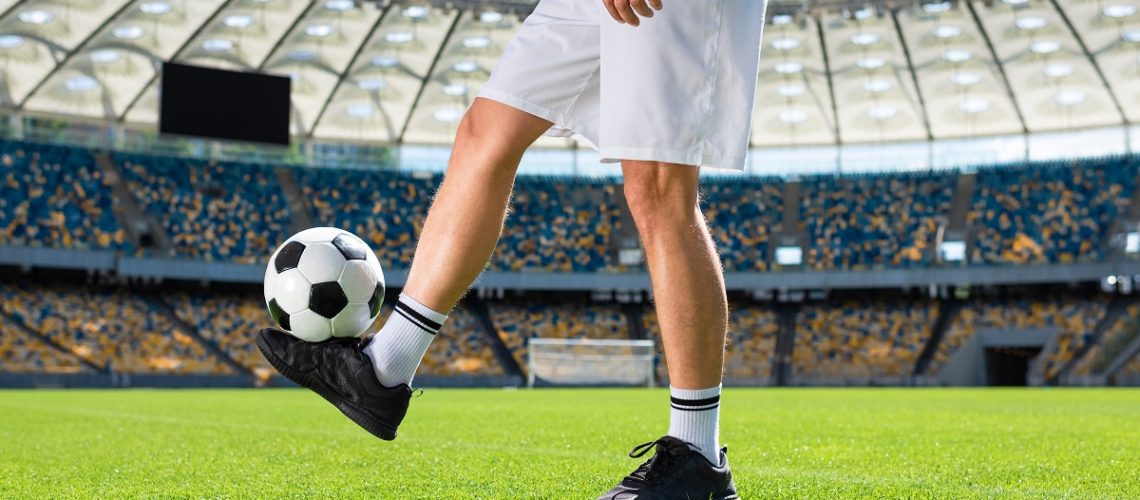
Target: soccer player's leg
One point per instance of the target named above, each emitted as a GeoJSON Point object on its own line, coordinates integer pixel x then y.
{"type": "Point", "coordinates": [688, 289]}
{"type": "Point", "coordinates": [370, 381]}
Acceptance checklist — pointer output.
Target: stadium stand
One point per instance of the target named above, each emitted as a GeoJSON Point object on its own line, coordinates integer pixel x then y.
{"type": "Point", "coordinates": [1056, 213]}
{"type": "Point", "coordinates": [872, 221]}
{"type": "Point", "coordinates": [742, 215]}
{"type": "Point", "coordinates": [1073, 316]}
{"type": "Point", "coordinates": [112, 328]}
{"type": "Point", "coordinates": [230, 321]}
{"type": "Point", "coordinates": [861, 341]}
{"type": "Point", "coordinates": [55, 196]}
{"type": "Point", "coordinates": [1111, 342]}
{"type": "Point", "coordinates": [386, 209]}
{"type": "Point", "coordinates": [212, 211]}
{"type": "Point", "coordinates": [750, 346]}
{"type": "Point", "coordinates": [22, 353]}
{"type": "Point", "coordinates": [559, 224]}
{"type": "Point", "coordinates": [518, 321]}
{"type": "Point", "coordinates": [461, 348]}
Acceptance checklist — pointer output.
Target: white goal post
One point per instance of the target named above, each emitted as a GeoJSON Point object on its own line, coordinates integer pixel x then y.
{"type": "Point", "coordinates": [590, 362]}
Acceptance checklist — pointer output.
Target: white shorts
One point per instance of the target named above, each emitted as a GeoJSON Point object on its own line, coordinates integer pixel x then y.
{"type": "Point", "coordinates": [678, 89]}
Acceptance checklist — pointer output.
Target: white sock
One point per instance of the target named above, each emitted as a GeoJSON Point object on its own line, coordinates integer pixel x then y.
{"type": "Point", "coordinates": [398, 348]}
{"type": "Point", "coordinates": [694, 418]}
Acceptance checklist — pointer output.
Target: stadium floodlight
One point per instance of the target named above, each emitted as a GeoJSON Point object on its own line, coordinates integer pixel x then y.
{"type": "Point", "coordinates": [447, 115]}
{"type": "Point", "coordinates": [952, 251]}
{"type": "Point", "coordinates": [81, 83]}
{"type": "Point", "coordinates": [870, 62]}
{"type": "Point", "coordinates": [372, 84]}
{"type": "Point", "coordinates": [319, 30]}
{"type": "Point", "coordinates": [1015, 3]}
{"type": "Point", "coordinates": [936, 7]}
{"type": "Point", "coordinates": [782, 19]}
{"type": "Point", "coordinates": [788, 67]}
{"type": "Point", "coordinates": [359, 111]}
{"type": "Point", "coordinates": [786, 43]}
{"type": "Point", "coordinates": [1044, 47]}
{"type": "Point", "coordinates": [792, 116]}
{"type": "Point", "coordinates": [965, 78]}
{"type": "Point", "coordinates": [455, 89]}
{"type": "Point", "coordinates": [301, 55]}
{"type": "Point", "coordinates": [339, 5]}
{"type": "Point", "coordinates": [217, 45]}
{"type": "Point", "coordinates": [477, 42]}
{"type": "Point", "coordinates": [974, 105]}
{"type": "Point", "coordinates": [947, 31]}
{"type": "Point", "coordinates": [882, 112]}
{"type": "Point", "coordinates": [1030, 23]}
{"type": "Point", "coordinates": [465, 67]}
{"type": "Point", "coordinates": [956, 56]}
{"type": "Point", "coordinates": [416, 12]}
{"type": "Point", "coordinates": [490, 17]}
{"type": "Point", "coordinates": [864, 39]}
{"type": "Point", "coordinates": [790, 90]}
{"type": "Point", "coordinates": [35, 16]}
{"type": "Point", "coordinates": [105, 56]}
{"type": "Point", "coordinates": [876, 85]}
{"type": "Point", "coordinates": [1069, 97]}
{"type": "Point", "coordinates": [11, 41]}
{"type": "Point", "coordinates": [789, 255]}
{"type": "Point", "coordinates": [590, 362]}
{"type": "Point", "coordinates": [385, 62]}
{"type": "Point", "coordinates": [155, 8]}
{"type": "Point", "coordinates": [399, 37]}
{"type": "Point", "coordinates": [128, 32]}
{"type": "Point", "coordinates": [1132, 242]}
{"type": "Point", "coordinates": [1119, 10]}
{"type": "Point", "coordinates": [238, 21]}
{"type": "Point", "coordinates": [1132, 35]}
{"type": "Point", "coordinates": [1058, 70]}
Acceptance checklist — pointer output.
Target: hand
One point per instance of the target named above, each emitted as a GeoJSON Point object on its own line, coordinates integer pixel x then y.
{"type": "Point", "coordinates": [627, 11]}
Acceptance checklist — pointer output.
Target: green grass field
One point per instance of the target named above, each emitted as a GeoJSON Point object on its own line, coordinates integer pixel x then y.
{"type": "Point", "coordinates": [570, 443]}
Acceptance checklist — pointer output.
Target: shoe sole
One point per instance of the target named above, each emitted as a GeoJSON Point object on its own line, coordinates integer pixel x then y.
{"type": "Point", "coordinates": [357, 415]}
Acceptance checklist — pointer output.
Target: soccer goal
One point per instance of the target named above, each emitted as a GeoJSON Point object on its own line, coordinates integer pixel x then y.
{"type": "Point", "coordinates": [590, 362]}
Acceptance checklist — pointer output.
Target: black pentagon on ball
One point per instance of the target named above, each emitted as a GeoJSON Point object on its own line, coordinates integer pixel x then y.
{"type": "Point", "coordinates": [350, 247]}
{"type": "Point", "coordinates": [288, 257]}
{"type": "Point", "coordinates": [279, 314]}
{"type": "Point", "coordinates": [327, 299]}
{"type": "Point", "coordinates": [376, 299]}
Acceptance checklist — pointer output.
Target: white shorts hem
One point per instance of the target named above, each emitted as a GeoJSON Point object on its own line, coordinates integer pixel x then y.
{"type": "Point", "coordinates": [561, 127]}
{"type": "Point", "coordinates": [615, 155]}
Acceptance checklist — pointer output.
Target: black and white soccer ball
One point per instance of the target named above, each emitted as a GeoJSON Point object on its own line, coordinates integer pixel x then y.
{"type": "Point", "coordinates": [324, 282]}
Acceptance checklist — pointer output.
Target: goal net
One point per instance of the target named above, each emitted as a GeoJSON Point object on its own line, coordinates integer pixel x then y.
{"type": "Point", "coordinates": [590, 362]}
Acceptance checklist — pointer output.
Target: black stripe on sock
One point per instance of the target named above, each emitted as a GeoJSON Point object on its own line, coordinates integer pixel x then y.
{"type": "Point", "coordinates": [414, 321]}
{"type": "Point", "coordinates": [690, 408]}
{"type": "Point", "coordinates": [694, 402]}
{"type": "Point", "coordinates": [432, 325]}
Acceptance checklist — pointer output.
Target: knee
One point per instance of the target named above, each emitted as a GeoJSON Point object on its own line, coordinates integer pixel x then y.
{"type": "Point", "coordinates": [660, 193]}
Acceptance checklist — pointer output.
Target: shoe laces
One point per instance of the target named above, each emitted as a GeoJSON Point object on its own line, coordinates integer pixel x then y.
{"type": "Point", "coordinates": [653, 468]}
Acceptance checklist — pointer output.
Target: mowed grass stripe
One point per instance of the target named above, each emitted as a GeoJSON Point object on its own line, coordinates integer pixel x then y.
{"type": "Point", "coordinates": [568, 443]}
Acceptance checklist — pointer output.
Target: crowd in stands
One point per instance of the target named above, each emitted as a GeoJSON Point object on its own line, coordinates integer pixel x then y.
{"type": "Point", "coordinates": [1037, 213]}
{"type": "Point", "coordinates": [212, 211]}
{"type": "Point", "coordinates": [749, 348]}
{"type": "Point", "coordinates": [563, 225]}
{"type": "Point", "coordinates": [21, 352]}
{"type": "Point", "coordinates": [55, 196]}
{"type": "Point", "coordinates": [116, 330]}
{"type": "Point", "coordinates": [229, 321]}
{"type": "Point", "coordinates": [1111, 343]}
{"type": "Point", "coordinates": [1071, 316]}
{"type": "Point", "coordinates": [861, 341]}
{"type": "Point", "coordinates": [386, 209]}
{"type": "Point", "coordinates": [873, 221]}
{"type": "Point", "coordinates": [742, 217]}
{"type": "Point", "coordinates": [461, 348]}
{"type": "Point", "coordinates": [1055, 213]}
{"type": "Point", "coordinates": [518, 321]}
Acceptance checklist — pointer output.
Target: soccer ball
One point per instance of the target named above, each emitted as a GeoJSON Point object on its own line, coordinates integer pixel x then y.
{"type": "Point", "coordinates": [324, 282]}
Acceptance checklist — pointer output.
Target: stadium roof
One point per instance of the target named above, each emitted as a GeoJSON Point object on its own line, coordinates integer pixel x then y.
{"type": "Point", "coordinates": [402, 72]}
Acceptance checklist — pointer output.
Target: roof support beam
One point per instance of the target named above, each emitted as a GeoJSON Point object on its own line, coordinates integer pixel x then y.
{"type": "Point", "coordinates": [428, 75]}
{"type": "Point", "coordinates": [913, 76]}
{"type": "Point", "coordinates": [351, 62]}
{"type": "Point", "coordinates": [1000, 67]}
{"type": "Point", "coordinates": [830, 83]}
{"type": "Point", "coordinates": [1092, 61]}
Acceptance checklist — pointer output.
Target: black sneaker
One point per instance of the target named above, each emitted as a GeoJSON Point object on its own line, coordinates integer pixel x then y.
{"type": "Point", "coordinates": [340, 372]}
{"type": "Point", "coordinates": [676, 470]}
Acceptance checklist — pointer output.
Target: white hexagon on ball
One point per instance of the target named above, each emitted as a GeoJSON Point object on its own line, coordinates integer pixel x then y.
{"type": "Point", "coordinates": [317, 235]}
{"type": "Point", "coordinates": [358, 280]}
{"type": "Point", "coordinates": [291, 291]}
{"type": "Point", "coordinates": [321, 262]}
{"type": "Point", "coordinates": [352, 321]}
{"type": "Point", "coordinates": [310, 326]}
